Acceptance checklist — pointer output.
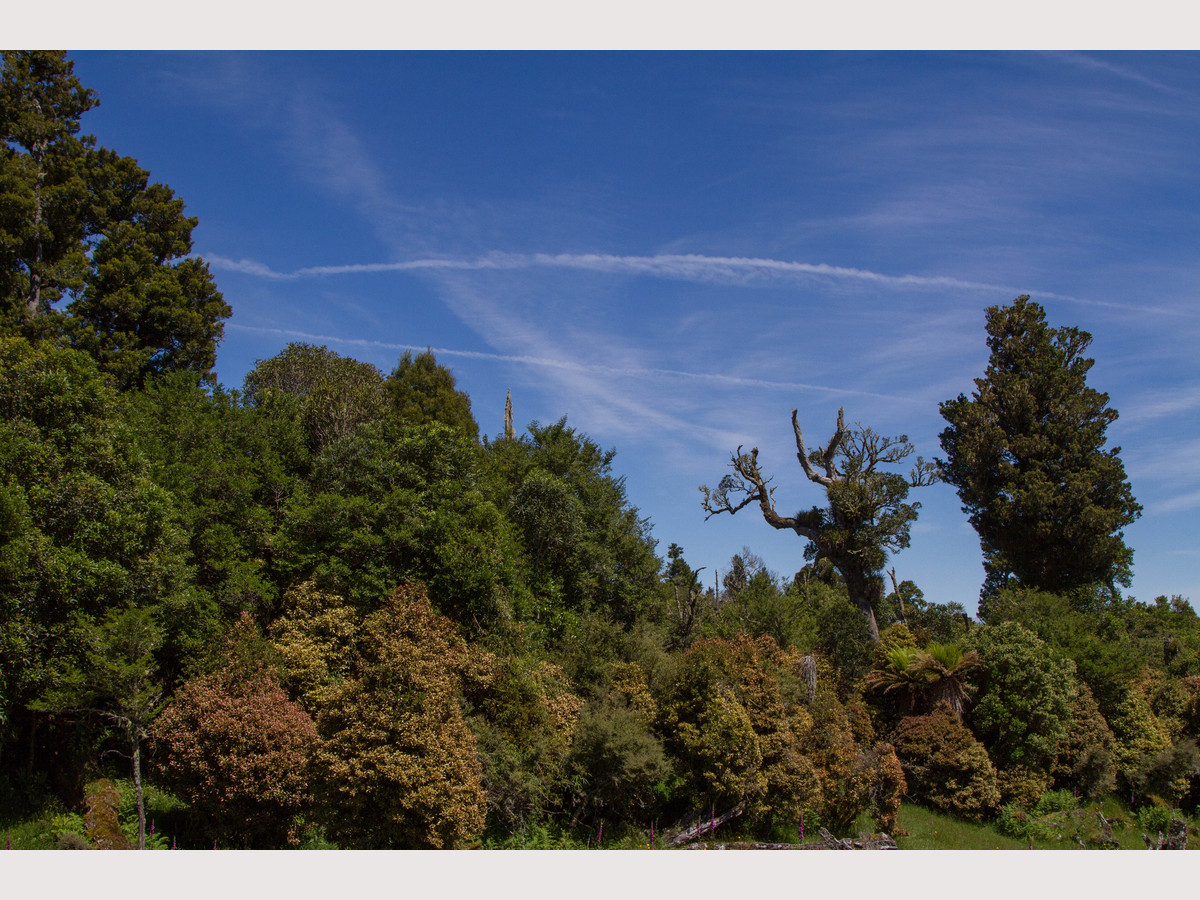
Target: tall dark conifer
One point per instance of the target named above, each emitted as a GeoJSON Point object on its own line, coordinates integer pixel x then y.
{"type": "Point", "coordinates": [1026, 453]}
{"type": "Point", "coordinates": [42, 196]}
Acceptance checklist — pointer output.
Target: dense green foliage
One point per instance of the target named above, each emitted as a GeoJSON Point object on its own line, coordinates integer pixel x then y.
{"type": "Point", "coordinates": [323, 611]}
{"type": "Point", "coordinates": [1026, 454]}
{"type": "Point", "coordinates": [85, 225]}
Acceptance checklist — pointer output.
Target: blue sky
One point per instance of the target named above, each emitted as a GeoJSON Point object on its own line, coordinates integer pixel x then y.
{"type": "Point", "coordinates": [674, 250]}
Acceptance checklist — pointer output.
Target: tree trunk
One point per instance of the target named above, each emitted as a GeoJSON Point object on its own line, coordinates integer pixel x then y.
{"type": "Point", "coordinates": [136, 746]}
{"type": "Point", "coordinates": [859, 589]}
{"type": "Point", "coordinates": [34, 300]}
{"type": "Point", "coordinates": [703, 825]}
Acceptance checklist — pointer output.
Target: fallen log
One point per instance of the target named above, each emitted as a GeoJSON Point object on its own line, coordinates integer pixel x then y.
{"type": "Point", "coordinates": [703, 825]}
{"type": "Point", "coordinates": [863, 842]}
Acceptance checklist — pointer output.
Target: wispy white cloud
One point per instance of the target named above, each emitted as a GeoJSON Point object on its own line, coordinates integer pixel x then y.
{"type": "Point", "coordinates": [685, 267]}
{"type": "Point", "coordinates": [1164, 402]}
{"type": "Point", "coordinates": [566, 365]}
{"type": "Point", "coordinates": [1086, 61]}
{"type": "Point", "coordinates": [1175, 504]}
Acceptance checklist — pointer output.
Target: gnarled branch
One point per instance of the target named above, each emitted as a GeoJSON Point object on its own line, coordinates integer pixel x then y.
{"type": "Point", "coordinates": [826, 455]}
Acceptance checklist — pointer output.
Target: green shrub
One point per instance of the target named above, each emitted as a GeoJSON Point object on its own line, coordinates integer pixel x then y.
{"type": "Point", "coordinates": [61, 824]}
{"type": "Point", "coordinates": [1085, 756]}
{"type": "Point", "coordinates": [1022, 786]}
{"type": "Point", "coordinates": [1153, 818]}
{"type": "Point", "coordinates": [617, 759]}
{"type": "Point", "coordinates": [1055, 801]}
{"type": "Point", "coordinates": [1022, 709]}
{"type": "Point", "coordinates": [537, 837]}
{"type": "Point", "coordinates": [1018, 823]}
{"type": "Point", "coordinates": [69, 840]}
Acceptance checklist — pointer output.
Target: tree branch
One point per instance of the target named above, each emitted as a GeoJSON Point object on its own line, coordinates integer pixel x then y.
{"type": "Point", "coordinates": [827, 455]}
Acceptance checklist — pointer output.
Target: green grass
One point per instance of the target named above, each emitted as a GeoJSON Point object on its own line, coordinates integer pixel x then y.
{"type": "Point", "coordinates": [930, 830]}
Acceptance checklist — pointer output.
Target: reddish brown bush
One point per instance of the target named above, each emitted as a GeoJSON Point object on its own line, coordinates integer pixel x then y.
{"type": "Point", "coordinates": [236, 749]}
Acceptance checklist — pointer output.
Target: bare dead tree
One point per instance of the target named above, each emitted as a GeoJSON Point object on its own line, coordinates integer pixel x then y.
{"type": "Point", "coordinates": [687, 608]}
{"type": "Point", "coordinates": [899, 595]}
{"type": "Point", "coordinates": [866, 516]}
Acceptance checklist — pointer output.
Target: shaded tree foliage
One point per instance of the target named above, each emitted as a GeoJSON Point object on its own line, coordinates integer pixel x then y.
{"type": "Point", "coordinates": [82, 527]}
{"type": "Point", "coordinates": [116, 681]}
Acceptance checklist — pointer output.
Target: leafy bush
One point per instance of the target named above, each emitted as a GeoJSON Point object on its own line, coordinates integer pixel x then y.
{"type": "Point", "coordinates": [1139, 734]}
{"type": "Point", "coordinates": [1021, 786]}
{"type": "Point", "coordinates": [235, 747]}
{"type": "Point", "coordinates": [537, 837]}
{"type": "Point", "coordinates": [945, 766]}
{"type": "Point", "coordinates": [1168, 774]}
{"type": "Point", "coordinates": [1019, 823]}
{"type": "Point", "coordinates": [1023, 705]}
{"type": "Point", "coordinates": [1055, 801]}
{"type": "Point", "coordinates": [888, 788]}
{"type": "Point", "coordinates": [396, 765]}
{"type": "Point", "coordinates": [523, 720]}
{"type": "Point", "coordinates": [60, 825]}
{"type": "Point", "coordinates": [1085, 755]}
{"type": "Point", "coordinates": [69, 840]}
{"type": "Point", "coordinates": [617, 759]}
{"type": "Point", "coordinates": [1153, 818]}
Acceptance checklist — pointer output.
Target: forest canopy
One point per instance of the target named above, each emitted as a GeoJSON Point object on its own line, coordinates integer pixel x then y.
{"type": "Point", "coordinates": [323, 609]}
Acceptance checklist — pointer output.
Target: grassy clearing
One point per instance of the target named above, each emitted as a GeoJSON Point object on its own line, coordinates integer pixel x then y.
{"type": "Point", "coordinates": [930, 830]}
{"type": "Point", "coordinates": [1066, 830]}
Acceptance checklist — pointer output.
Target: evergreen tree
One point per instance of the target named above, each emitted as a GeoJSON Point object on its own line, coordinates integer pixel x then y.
{"type": "Point", "coordinates": [147, 306]}
{"type": "Point", "coordinates": [85, 225]}
{"type": "Point", "coordinates": [420, 391]}
{"type": "Point", "coordinates": [1026, 454]}
{"type": "Point", "coordinates": [42, 195]}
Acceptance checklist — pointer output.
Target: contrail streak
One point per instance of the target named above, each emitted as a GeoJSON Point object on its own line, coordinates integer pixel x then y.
{"type": "Point", "coordinates": [686, 267]}
{"type": "Point", "coordinates": [626, 372]}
